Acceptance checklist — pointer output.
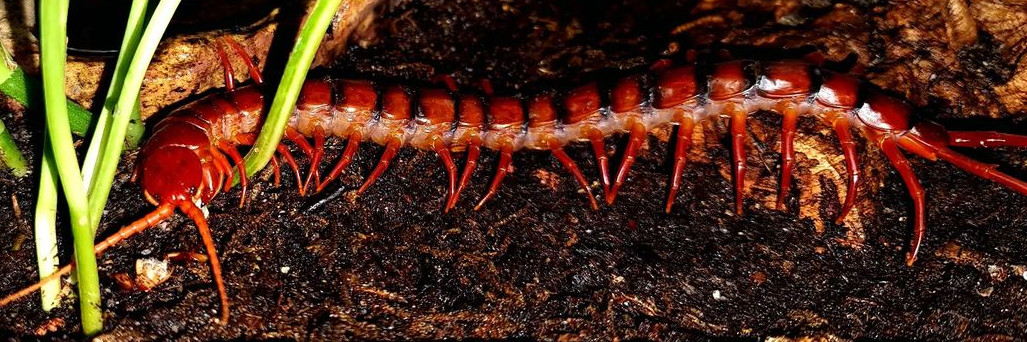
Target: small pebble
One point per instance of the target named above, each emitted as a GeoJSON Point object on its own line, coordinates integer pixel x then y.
{"type": "Point", "coordinates": [285, 269]}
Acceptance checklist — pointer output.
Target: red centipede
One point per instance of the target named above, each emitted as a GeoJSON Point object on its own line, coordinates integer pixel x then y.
{"type": "Point", "coordinates": [188, 159]}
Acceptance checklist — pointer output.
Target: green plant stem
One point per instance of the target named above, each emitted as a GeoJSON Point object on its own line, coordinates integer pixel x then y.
{"type": "Point", "coordinates": [46, 228]}
{"type": "Point", "coordinates": [53, 30]}
{"type": "Point", "coordinates": [10, 154]}
{"type": "Point", "coordinates": [113, 142]}
{"type": "Point", "coordinates": [46, 202]}
{"type": "Point", "coordinates": [296, 68]}
{"type": "Point", "coordinates": [133, 32]}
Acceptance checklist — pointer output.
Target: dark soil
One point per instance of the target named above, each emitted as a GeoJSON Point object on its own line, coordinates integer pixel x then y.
{"type": "Point", "coordinates": [535, 262]}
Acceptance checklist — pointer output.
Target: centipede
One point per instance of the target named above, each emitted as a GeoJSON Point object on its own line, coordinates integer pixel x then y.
{"type": "Point", "coordinates": [192, 154]}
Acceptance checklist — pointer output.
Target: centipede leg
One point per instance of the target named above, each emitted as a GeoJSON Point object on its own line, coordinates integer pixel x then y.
{"type": "Point", "coordinates": [635, 138]}
{"type": "Point", "coordinates": [233, 153]}
{"type": "Point", "coordinates": [446, 80]}
{"type": "Point", "coordinates": [383, 164]}
{"type": "Point", "coordinates": [227, 66]}
{"type": "Point", "coordinates": [738, 151]}
{"type": "Point", "coordinates": [505, 167]}
{"type": "Point", "coordinates": [352, 144]}
{"type": "Point", "coordinates": [486, 86]}
{"type": "Point", "coordinates": [790, 116]}
{"type": "Point", "coordinates": [196, 215]}
{"type": "Point", "coordinates": [683, 141]}
{"type": "Point", "coordinates": [315, 161]}
{"type": "Point", "coordinates": [295, 168]}
{"type": "Point", "coordinates": [595, 136]}
{"type": "Point", "coordinates": [300, 141]}
{"type": "Point", "coordinates": [473, 151]}
{"type": "Point", "coordinates": [249, 139]}
{"type": "Point", "coordinates": [986, 171]}
{"type": "Point", "coordinates": [572, 167]}
{"type": "Point", "coordinates": [247, 59]}
{"type": "Point", "coordinates": [447, 160]}
{"type": "Point", "coordinates": [986, 139]}
{"type": "Point", "coordinates": [278, 171]}
{"type": "Point", "coordinates": [224, 168]}
{"type": "Point", "coordinates": [841, 128]}
{"type": "Point", "coordinates": [891, 150]}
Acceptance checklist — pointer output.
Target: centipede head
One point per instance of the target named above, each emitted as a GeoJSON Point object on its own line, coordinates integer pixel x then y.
{"type": "Point", "coordinates": [183, 177]}
{"type": "Point", "coordinates": [175, 174]}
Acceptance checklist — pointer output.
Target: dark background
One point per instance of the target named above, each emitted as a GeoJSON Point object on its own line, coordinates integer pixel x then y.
{"type": "Point", "coordinates": [535, 262]}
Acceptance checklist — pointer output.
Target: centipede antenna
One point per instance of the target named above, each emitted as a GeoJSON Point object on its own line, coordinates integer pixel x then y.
{"type": "Point", "coordinates": [891, 150]}
{"type": "Point", "coordinates": [447, 160]}
{"type": "Point", "coordinates": [841, 128]}
{"type": "Point", "coordinates": [352, 144]}
{"type": "Point", "coordinates": [681, 144]}
{"type": "Point", "coordinates": [572, 167]}
{"type": "Point", "coordinates": [383, 164]}
{"type": "Point", "coordinates": [473, 151]}
{"type": "Point", "coordinates": [159, 214]}
{"type": "Point", "coordinates": [738, 151]}
{"type": "Point", "coordinates": [233, 153]}
{"type": "Point", "coordinates": [505, 166]}
{"type": "Point", "coordinates": [227, 66]}
{"type": "Point", "coordinates": [196, 215]}
{"type": "Point", "coordinates": [247, 59]}
{"type": "Point", "coordinates": [635, 138]}
{"type": "Point", "coordinates": [315, 161]}
{"type": "Point", "coordinates": [602, 160]}
{"type": "Point", "coordinates": [295, 168]}
{"type": "Point", "coordinates": [790, 117]}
